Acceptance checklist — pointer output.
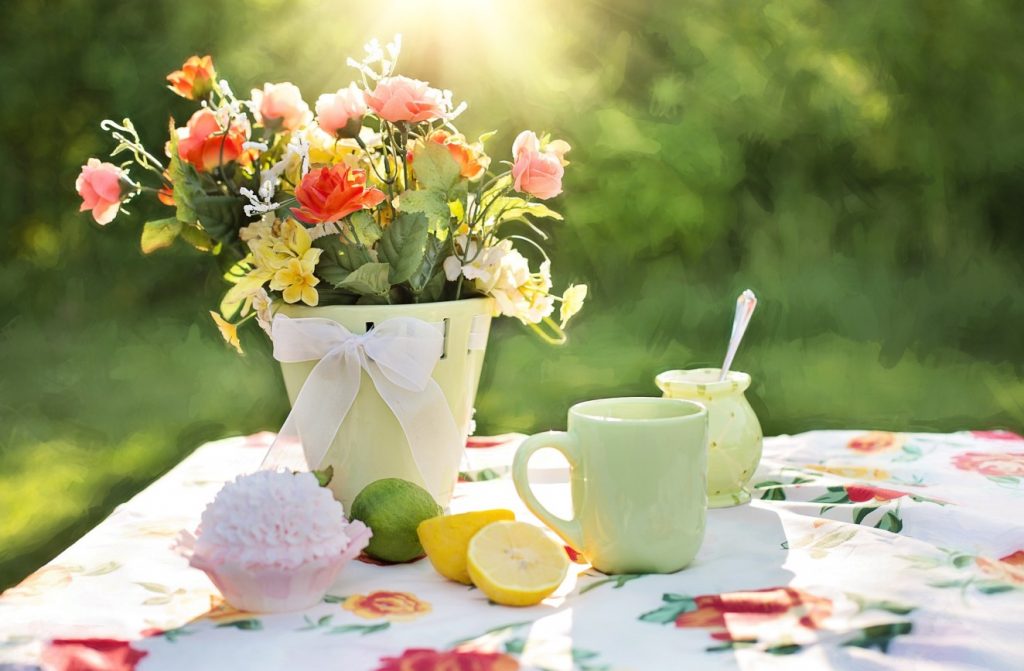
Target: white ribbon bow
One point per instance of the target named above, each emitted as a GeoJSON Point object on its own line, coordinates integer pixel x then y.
{"type": "Point", "coordinates": [399, 355]}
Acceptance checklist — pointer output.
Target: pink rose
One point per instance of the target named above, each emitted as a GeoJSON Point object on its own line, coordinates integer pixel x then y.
{"type": "Point", "coordinates": [281, 103]}
{"type": "Point", "coordinates": [341, 113]}
{"type": "Point", "coordinates": [402, 99]}
{"type": "Point", "coordinates": [99, 185]}
{"type": "Point", "coordinates": [536, 171]}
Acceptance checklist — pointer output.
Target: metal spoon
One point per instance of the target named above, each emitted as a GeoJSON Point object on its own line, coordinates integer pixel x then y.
{"type": "Point", "coordinates": [745, 305]}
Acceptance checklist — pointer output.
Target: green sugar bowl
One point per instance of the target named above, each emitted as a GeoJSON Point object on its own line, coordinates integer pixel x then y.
{"type": "Point", "coordinates": [734, 434]}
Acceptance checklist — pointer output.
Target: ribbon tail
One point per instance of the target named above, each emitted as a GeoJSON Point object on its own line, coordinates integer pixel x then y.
{"type": "Point", "coordinates": [316, 415]}
{"type": "Point", "coordinates": [429, 427]}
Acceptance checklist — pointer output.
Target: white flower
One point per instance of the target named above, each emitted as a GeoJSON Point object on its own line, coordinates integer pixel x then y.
{"type": "Point", "coordinates": [262, 304]}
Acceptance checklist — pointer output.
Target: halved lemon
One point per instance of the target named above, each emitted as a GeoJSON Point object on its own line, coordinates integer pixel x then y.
{"type": "Point", "coordinates": [446, 538]}
{"type": "Point", "coordinates": [515, 563]}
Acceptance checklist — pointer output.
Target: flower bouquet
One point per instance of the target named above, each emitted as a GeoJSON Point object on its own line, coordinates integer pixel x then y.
{"type": "Point", "coordinates": [372, 197]}
{"type": "Point", "coordinates": [369, 207]}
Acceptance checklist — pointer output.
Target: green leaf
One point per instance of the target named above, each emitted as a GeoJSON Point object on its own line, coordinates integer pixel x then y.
{"type": "Point", "coordinates": [330, 598]}
{"type": "Point", "coordinates": [1003, 479]}
{"type": "Point", "coordinates": [942, 584]}
{"type": "Point", "coordinates": [430, 203]}
{"type": "Point", "coordinates": [675, 605]}
{"type": "Point", "coordinates": [159, 234]}
{"type": "Point", "coordinates": [993, 586]}
{"type": "Point", "coordinates": [199, 239]}
{"type": "Point", "coordinates": [403, 245]}
{"type": "Point", "coordinates": [960, 561]}
{"type": "Point", "coordinates": [508, 208]}
{"type": "Point", "coordinates": [362, 629]}
{"type": "Point", "coordinates": [153, 587]}
{"type": "Point", "coordinates": [430, 264]}
{"type": "Point", "coordinates": [890, 522]}
{"type": "Point", "coordinates": [185, 180]}
{"type": "Point", "coordinates": [860, 513]}
{"type": "Point", "coordinates": [515, 646]}
{"type": "Point", "coordinates": [435, 168]}
{"type": "Point", "coordinates": [880, 635]}
{"type": "Point", "coordinates": [251, 624]}
{"type": "Point", "coordinates": [325, 475]}
{"type": "Point", "coordinates": [370, 279]}
{"type": "Point", "coordinates": [434, 288]}
{"type": "Point", "coordinates": [833, 495]}
{"type": "Point", "coordinates": [767, 483]}
{"type": "Point", "coordinates": [220, 216]}
{"type": "Point", "coordinates": [366, 229]}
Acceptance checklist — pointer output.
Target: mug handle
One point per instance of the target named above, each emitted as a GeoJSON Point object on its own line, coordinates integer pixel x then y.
{"type": "Point", "coordinates": [569, 530]}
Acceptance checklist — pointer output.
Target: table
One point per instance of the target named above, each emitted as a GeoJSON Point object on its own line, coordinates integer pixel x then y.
{"type": "Point", "coordinates": [862, 550]}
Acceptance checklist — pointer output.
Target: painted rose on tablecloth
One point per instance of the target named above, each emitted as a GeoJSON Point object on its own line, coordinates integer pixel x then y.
{"type": "Point", "coordinates": [737, 616]}
{"type": "Point", "coordinates": [1008, 569]}
{"type": "Point", "coordinates": [389, 605]}
{"type": "Point", "coordinates": [998, 434]}
{"type": "Point", "coordinates": [875, 441]}
{"type": "Point", "coordinates": [91, 654]}
{"type": "Point", "coordinates": [997, 464]}
{"type": "Point", "coordinates": [862, 493]}
{"type": "Point", "coordinates": [425, 659]}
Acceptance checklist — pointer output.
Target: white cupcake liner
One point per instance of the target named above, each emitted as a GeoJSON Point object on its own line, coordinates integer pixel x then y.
{"type": "Point", "coordinates": [274, 589]}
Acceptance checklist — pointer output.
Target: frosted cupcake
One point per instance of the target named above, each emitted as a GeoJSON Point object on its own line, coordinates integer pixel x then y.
{"type": "Point", "coordinates": [274, 541]}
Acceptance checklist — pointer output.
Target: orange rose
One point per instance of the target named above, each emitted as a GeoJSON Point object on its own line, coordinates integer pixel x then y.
{"type": "Point", "coordinates": [1009, 569]}
{"type": "Point", "coordinates": [195, 78]}
{"type": "Point", "coordinates": [736, 615]}
{"type": "Point", "coordinates": [425, 659]}
{"type": "Point", "coordinates": [1005, 464]}
{"type": "Point", "coordinates": [875, 441]}
{"type": "Point", "coordinates": [205, 145]}
{"type": "Point", "coordinates": [388, 605]}
{"type": "Point", "coordinates": [331, 193]}
{"type": "Point", "coordinates": [470, 157]}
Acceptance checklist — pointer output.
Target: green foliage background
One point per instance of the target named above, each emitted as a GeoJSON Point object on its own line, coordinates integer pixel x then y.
{"type": "Point", "coordinates": [860, 165]}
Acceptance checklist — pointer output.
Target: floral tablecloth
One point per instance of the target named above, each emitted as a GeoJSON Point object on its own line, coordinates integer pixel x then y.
{"type": "Point", "coordinates": [863, 550]}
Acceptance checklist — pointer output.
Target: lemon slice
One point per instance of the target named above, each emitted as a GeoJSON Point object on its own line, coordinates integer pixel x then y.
{"type": "Point", "coordinates": [515, 563]}
{"type": "Point", "coordinates": [445, 539]}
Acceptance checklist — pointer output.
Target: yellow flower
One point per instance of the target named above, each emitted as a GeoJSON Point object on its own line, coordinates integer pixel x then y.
{"type": "Point", "coordinates": [387, 605]}
{"type": "Point", "coordinates": [325, 150]}
{"type": "Point", "coordinates": [572, 302]}
{"type": "Point", "coordinates": [855, 472]}
{"type": "Point", "coordinates": [228, 331]}
{"type": "Point", "coordinates": [293, 238]}
{"type": "Point", "coordinates": [296, 280]}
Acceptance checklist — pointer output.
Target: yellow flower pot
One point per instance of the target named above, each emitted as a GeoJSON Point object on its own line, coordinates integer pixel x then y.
{"type": "Point", "coordinates": [370, 444]}
{"type": "Point", "coordinates": [734, 434]}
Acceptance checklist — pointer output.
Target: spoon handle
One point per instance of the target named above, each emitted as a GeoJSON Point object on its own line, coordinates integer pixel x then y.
{"type": "Point", "coordinates": [745, 305]}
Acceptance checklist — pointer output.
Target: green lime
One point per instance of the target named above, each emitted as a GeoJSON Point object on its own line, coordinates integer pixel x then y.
{"type": "Point", "coordinates": [393, 508]}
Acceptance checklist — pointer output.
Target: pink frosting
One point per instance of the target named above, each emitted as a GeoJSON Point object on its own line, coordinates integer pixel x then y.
{"type": "Point", "coordinates": [274, 519]}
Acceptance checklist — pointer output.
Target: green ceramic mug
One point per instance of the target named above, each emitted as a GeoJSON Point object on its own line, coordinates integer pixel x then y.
{"type": "Point", "coordinates": [638, 477]}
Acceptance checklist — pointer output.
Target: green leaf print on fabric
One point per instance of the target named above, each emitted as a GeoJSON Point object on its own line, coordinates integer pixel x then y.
{"type": "Point", "coordinates": [251, 624]}
{"type": "Point", "coordinates": [675, 605]}
{"type": "Point", "coordinates": [619, 581]}
{"type": "Point", "coordinates": [890, 522]}
{"type": "Point", "coordinates": [362, 629]}
{"type": "Point", "coordinates": [879, 636]}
